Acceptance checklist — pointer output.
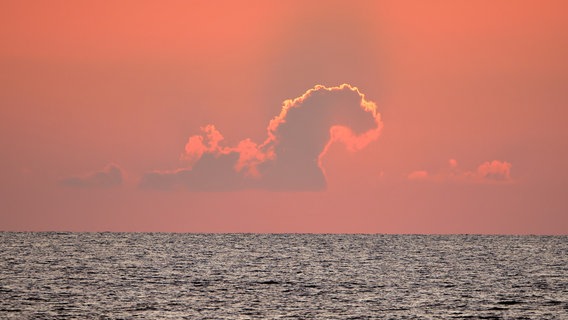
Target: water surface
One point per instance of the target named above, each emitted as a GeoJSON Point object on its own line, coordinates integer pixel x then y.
{"type": "Point", "coordinates": [288, 276]}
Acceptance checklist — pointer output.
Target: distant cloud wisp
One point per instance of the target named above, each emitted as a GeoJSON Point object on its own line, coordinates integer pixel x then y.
{"type": "Point", "coordinates": [488, 172]}
{"type": "Point", "coordinates": [291, 156]}
{"type": "Point", "coordinates": [109, 176]}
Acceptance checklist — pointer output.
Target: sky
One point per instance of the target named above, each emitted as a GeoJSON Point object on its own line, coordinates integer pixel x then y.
{"type": "Point", "coordinates": [431, 117]}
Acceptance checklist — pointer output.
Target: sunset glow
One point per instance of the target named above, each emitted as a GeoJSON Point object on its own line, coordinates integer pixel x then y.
{"type": "Point", "coordinates": [293, 116]}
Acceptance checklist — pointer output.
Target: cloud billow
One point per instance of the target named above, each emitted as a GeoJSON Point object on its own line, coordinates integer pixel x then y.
{"type": "Point", "coordinates": [291, 156]}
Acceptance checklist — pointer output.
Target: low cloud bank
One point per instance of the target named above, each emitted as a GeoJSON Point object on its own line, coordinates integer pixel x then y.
{"type": "Point", "coordinates": [110, 176]}
{"type": "Point", "coordinates": [488, 172]}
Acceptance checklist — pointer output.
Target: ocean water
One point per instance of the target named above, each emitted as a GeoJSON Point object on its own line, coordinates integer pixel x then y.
{"type": "Point", "coordinates": [281, 276]}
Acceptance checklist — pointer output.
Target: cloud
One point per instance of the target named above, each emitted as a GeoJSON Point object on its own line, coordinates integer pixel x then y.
{"type": "Point", "coordinates": [109, 176]}
{"type": "Point", "coordinates": [418, 175]}
{"type": "Point", "coordinates": [291, 156]}
{"type": "Point", "coordinates": [488, 172]}
{"type": "Point", "coordinates": [453, 163]}
{"type": "Point", "coordinates": [495, 170]}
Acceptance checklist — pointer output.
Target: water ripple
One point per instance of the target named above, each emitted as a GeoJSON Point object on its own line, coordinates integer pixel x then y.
{"type": "Point", "coordinates": [257, 276]}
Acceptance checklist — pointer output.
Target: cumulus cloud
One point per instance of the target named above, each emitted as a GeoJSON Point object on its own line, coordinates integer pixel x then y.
{"type": "Point", "coordinates": [487, 172]}
{"type": "Point", "coordinates": [109, 176]}
{"type": "Point", "coordinates": [291, 156]}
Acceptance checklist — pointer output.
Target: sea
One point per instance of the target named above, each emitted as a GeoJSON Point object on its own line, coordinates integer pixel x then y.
{"type": "Point", "coordinates": [281, 276]}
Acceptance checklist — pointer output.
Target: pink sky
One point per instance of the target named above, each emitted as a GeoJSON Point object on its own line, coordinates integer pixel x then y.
{"type": "Point", "coordinates": [172, 116]}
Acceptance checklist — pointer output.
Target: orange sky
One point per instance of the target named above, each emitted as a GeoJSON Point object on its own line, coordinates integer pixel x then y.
{"type": "Point", "coordinates": [96, 96]}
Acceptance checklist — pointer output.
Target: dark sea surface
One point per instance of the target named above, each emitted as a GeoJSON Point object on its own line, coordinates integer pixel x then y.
{"type": "Point", "coordinates": [283, 276]}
